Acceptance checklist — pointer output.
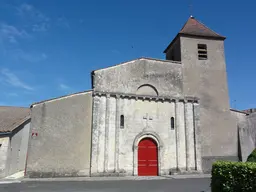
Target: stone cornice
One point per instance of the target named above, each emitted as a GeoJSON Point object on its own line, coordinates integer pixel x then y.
{"type": "Point", "coordinates": [147, 97]}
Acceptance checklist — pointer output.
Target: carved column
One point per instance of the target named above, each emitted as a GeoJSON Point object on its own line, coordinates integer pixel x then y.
{"type": "Point", "coordinates": [111, 134]}
{"type": "Point", "coordinates": [106, 151]}
{"type": "Point", "coordinates": [101, 134]}
{"type": "Point", "coordinates": [172, 153]}
{"type": "Point", "coordinates": [95, 135]}
{"type": "Point", "coordinates": [181, 139]}
{"type": "Point", "coordinates": [197, 135]}
{"type": "Point", "coordinates": [117, 133]}
{"type": "Point", "coordinates": [190, 149]}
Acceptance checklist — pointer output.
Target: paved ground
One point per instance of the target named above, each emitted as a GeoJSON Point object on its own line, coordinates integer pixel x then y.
{"type": "Point", "coordinates": [162, 185]}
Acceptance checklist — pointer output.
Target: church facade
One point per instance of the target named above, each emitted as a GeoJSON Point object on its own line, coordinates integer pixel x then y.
{"type": "Point", "coordinates": [144, 117]}
{"type": "Point", "coordinates": [135, 105]}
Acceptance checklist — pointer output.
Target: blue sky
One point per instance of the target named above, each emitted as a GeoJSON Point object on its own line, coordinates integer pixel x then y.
{"type": "Point", "coordinates": [49, 48]}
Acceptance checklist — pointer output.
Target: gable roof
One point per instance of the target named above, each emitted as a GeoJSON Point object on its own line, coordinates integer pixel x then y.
{"type": "Point", "coordinates": [12, 117]}
{"type": "Point", "coordinates": [195, 28]}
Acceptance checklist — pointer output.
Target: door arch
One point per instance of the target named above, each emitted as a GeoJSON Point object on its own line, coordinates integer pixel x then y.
{"type": "Point", "coordinates": [147, 157]}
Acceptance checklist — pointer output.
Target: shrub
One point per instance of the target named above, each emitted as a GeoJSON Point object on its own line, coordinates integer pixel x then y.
{"type": "Point", "coordinates": [252, 156]}
{"type": "Point", "coordinates": [233, 177]}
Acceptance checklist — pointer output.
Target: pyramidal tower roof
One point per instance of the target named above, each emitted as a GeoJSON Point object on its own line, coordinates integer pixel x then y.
{"type": "Point", "coordinates": [195, 28]}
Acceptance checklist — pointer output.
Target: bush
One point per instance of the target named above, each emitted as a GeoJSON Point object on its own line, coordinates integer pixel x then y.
{"type": "Point", "coordinates": [252, 156]}
{"type": "Point", "coordinates": [233, 177]}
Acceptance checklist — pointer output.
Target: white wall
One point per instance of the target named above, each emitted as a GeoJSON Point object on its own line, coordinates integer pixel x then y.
{"type": "Point", "coordinates": [4, 141]}
{"type": "Point", "coordinates": [112, 150]}
{"type": "Point", "coordinates": [18, 149]}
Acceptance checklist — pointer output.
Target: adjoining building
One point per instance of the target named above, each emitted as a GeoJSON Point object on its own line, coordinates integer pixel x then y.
{"type": "Point", "coordinates": [14, 135]}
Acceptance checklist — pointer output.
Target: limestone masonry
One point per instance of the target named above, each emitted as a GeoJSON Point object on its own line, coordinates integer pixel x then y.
{"type": "Point", "coordinates": [145, 116]}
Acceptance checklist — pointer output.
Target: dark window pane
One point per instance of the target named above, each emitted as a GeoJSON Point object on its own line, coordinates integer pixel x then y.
{"type": "Point", "coordinates": [172, 123]}
{"type": "Point", "coordinates": [121, 121]}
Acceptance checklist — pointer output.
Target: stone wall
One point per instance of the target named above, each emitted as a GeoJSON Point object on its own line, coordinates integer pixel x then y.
{"type": "Point", "coordinates": [207, 80]}
{"type": "Point", "coordinates": [165, 76]}
{"type": "Point", "coordinates": [174, 52]}
{"type": "Point", "coordinates": [13, 150]}
{"type": "Point", "coordinates": [247, 135]}
{"type": "Point", "coordinates": [4, 142]}
{"type": "Point", "coordinates": [18, 149]}
{"type": "Point", "coordinates": [238, 116]}
{"type": "Point", "coordinates": [114, 148]}
{"type": "Point", "coordinates": [62, 137]}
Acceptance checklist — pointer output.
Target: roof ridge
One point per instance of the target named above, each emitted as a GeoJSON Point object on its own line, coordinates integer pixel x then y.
{"type": "Point", "coordinates": [162, 60]}
{"type": "Point", "coordinates": [137, 59]}
{"type": "Point", "coordinates": [60, 97]}
{"type": "Point", "coordinates": [207, 27]}
{"type": "Point", "coordinates": [239, 111]}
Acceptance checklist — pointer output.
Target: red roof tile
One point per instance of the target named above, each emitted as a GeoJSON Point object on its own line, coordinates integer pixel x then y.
{"type": "Point", "coordinates": [194, 27]}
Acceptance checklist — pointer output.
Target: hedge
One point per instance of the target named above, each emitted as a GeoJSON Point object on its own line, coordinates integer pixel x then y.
{"type": "Point", "coordinates": [252, 156]}
{"type": "Point", "coordinates": [233, 177]}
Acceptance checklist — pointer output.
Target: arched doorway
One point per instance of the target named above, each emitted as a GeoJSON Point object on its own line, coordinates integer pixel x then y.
{"type": "Point", "coordinates": [147, 157]}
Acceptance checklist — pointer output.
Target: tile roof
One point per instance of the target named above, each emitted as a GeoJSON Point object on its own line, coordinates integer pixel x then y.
{"type": "Point", "coordinates": [12, 117]}
{"type": "Point", "coordinates": [195, 28]}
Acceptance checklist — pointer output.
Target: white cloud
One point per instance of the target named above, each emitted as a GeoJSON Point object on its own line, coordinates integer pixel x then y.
{"type": "Point", "coordinates": [63, 86]}
{"type": "Point", "coordinates": [63, 22]}
{"type": "Point", "coordinates": [11, 79]}
{"type": "Point", "coordinates": [29, 10]}
{"type": "Point", "coordinates": [26, 7]}
{"type": "Point", "coordinates": [12, 94]}
{"type": "Point", "coordinates": [11, 33]}
{"type": "Point", "coordinates": [39, 21]}
{"type": "Point", "coordinates": [115, 51]}
{"type": "Point", "coordinates": [32, 57]}
{"type": "Point", "coordinates": [41, 27]}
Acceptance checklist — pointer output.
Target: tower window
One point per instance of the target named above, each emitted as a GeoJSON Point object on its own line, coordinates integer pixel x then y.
{"type": "Point", "coordinates": [172, 123]}
{"type": "Point", "coordinates": [122, 121]}
{"type": "Point", "coordinates": [202, 51]}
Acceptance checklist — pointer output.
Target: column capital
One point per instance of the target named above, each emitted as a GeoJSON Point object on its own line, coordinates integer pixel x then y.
{"type": "Point", "coordinates": [117, 96]}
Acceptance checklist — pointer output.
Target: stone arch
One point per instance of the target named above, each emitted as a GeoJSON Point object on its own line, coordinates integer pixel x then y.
{"type": "Point", "coordinates": [147, 89]}
{"type": "Point", "coordinates": [147, 134]}
{"type": "Point", "coordinates": [138, 138]}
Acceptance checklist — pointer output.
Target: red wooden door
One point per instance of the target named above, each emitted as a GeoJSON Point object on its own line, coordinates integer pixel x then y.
{"type": "Point", "coordinates": [147, 158]}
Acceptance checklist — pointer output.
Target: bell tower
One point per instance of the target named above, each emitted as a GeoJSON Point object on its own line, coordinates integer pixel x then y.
{"type": "Point", "coordinates": [201, 53]}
